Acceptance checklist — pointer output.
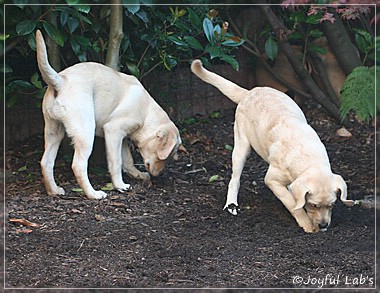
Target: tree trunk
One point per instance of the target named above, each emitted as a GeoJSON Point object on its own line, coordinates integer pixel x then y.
{"type": "Point", "coordinates": [116, 34]}
{"type": "Point", "coordinates": [53, 52]}
{"type": "Point", "coordinates": [341, 45]}
{"type": "Point", "coordinates": [281, 33]}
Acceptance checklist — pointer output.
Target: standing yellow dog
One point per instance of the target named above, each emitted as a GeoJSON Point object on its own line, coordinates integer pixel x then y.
{"type": "Point", "coordinates": [274, 126]}
{"type": "Point", "coordinates": [90, 99]}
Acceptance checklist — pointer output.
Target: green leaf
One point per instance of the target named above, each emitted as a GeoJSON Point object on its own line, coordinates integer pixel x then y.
{"type": "Point", "coordinates": [213, 178]}
{"type": "Point", "coordinates": [133, 8]}
{"type": "Point", "coordinates": [315, 48]}
{"type": "Point", "coordinates": [72, 24]}
{"type": "Point", "coordinates": [214, 51]}
{"type": "Point", "coordinates": [194, 19]}
{"type": "Point", "coordinates": [193, 42]}
{"type": "Point", "coordinates": [25, 27]}
{"type": "Point", "coordinates": [170, 62]}
{"type": "Point", "coordinates": [271, 48]}
{"type": "Point", "coordinates": [83, 8]}
{"type": "Point", "coordinates": [107, 187]}
{"type": "Point", "coordinates": [295, 36]}
{"type": "Point", "coordinates": [208, 29]}
{"type": "Point", "coordinates": [75, 46]}
{"type": "Point", "coordinates": [364, 40]}
{"type": "Point", "coordinates": [316, 33]}
{"type": "Point", "coordinates": [77, 189]}
{"type": "Point", "coordinates": [143, 16]}
{"type": "Point", "coordinates": [54, 33]}
{"type": "Point", "coordinates": [133, 69]}
{"type": "Point", "coordinates": [233, 42]}
{"type": "Point", "coordinates": [215, 114]}
{"type": "Point", "coordinates": [177, 41]}
{"type": "Point", "coordinates": [63, 17]}
{"type": "Point", "coordinates": [19, 83]}
{"type": "Point", "coordinates": [217, 30]}
{"type": "Point", "coordinates": [12, 101]}
{"type": "Point", "coordinates": [358, 93]}
{"type": "Point", "coordinates": [21, 169]}
{"type": "Point", "coordinates": [229, 147]}
{"type": "Point", "coordinates": [36, 81]}
{"type": "Point", "coordinates": [230, 60]}
{"type": "Point", "coordinates": [313, 18]}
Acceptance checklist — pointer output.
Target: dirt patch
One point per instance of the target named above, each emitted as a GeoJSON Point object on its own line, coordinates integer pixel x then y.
{"type": "Point", "coordinates": [175, 234]}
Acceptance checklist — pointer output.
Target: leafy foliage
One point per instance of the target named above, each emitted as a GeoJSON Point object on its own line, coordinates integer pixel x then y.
{"type": "Point", "coordinates": [154, 37]}
{"type": "Point", "coordinates": [358, 93]}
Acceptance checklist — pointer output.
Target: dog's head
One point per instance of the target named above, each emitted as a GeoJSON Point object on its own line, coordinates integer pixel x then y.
{"type": "Point", "coordinates": [317, 195]}
{"type": "Point", "coordinates": [157, 149]}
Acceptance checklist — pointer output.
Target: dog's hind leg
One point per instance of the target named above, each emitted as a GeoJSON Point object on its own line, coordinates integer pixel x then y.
{"type": "Point", "coordinates": [82, 132]}
{"type": "Point", "coordinates": [275, 183]}
{"type": "Point", "coordinates": [128, 165]}
{"type": "Point", "coordinates": [241, 151]}
{"type": "Point", "coordinates": [54, 133]}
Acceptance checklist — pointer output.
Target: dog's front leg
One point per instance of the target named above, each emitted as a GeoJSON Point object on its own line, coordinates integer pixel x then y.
{"type": "Point", "coordinates": [128, 165]}
{"type": "Point", "coordinates": [240, 154]}
{"type": "Point", "coordinates": [274, 181]}
{"type": "Point", "coordinates": [114, 133]}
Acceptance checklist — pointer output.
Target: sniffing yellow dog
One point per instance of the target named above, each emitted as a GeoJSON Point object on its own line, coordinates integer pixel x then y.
{"type": "Point", "coordinates": [90, 99]}
{"type": "Point", "coordinates": [274, 126]}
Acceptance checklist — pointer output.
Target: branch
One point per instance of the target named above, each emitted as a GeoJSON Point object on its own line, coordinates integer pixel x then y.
{"type": "Point", "coordinates": [341, 45]}
{"type": "Point", "coordinates": [281, 33]}
{"type": "Point", "coordinates": [321, 71]}
{"type": "Point", "coordinates": [116, 34]}
{"type": "Point", "coordinates": [54, 51]}
{"type": "Point", "coordinates": [253, 49]}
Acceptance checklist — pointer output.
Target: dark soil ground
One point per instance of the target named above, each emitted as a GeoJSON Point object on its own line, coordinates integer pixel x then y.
{"type": "Point", "coordinates": [175, 233]}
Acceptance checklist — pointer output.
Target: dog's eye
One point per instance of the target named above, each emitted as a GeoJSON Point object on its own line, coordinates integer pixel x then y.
{"type": "Point", "coordinates": [314, 206]}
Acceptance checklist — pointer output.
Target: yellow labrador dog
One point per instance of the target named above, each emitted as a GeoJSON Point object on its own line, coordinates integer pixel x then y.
{"type": "Point", "coordinates": [90, 99]}
{"type": "Point", "coordinates": [274, 126]}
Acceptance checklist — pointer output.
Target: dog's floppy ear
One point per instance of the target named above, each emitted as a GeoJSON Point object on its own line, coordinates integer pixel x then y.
{"type": "Point", "coordinates": [299, 191]}
{"type": "Point", "coordinates": [167, 140]}
{"type": "Point", "coordinates": [340, 185]}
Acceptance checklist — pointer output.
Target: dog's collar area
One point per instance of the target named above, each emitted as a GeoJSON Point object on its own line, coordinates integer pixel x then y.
{"type": "Point", "coordinates": [146, 141]}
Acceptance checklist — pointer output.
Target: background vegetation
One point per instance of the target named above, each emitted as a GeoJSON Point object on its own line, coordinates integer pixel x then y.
{"type": "Point", "coordinates": [139, 37]}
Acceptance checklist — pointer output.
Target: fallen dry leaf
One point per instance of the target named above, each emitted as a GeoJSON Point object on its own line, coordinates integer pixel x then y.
{"type": "Point", "coordinates": [343, 132]}
{"type": "Point", "coordinates": [24, 231]}
{"type": "Point", "coordinates": [117, 204]}
{"type": "Point", "coordinates": [25, 222]}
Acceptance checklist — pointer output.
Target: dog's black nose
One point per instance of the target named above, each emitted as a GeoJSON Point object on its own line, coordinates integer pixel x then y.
{"type": "Point", "coordinates": [323, 226]}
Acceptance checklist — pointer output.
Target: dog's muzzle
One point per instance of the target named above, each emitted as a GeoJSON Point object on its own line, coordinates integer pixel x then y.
{"type": "Point", "coordinates": [323, 226]}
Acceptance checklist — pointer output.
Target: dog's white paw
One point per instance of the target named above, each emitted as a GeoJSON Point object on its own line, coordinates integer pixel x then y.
{"type": "Point", "coordinates": [232, 208]}
{"type": "Point", "coordinates": [57, 191]}
{"type": "Point", "coordinates": [97, 195]}
{"type": "Point", "coordinates": [310, 228]}
{"type": "Point", "coordinates": [144, 176]}
{"type": "Point", "coordinates": [124, 188]}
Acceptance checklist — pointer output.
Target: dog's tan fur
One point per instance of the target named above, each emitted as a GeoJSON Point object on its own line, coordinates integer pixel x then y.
{"type": "Point", "coordinates": [90, 99]}
{"type": "Point", "coordinates": [299, 172]}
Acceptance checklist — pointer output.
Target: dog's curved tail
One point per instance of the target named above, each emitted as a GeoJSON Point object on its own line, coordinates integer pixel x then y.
{"type": "Point", "coordinates": [228, 88]}
{"type": "Point", "coordinates": [49, 75]}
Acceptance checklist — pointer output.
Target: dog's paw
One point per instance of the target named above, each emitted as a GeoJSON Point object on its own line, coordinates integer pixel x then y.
{"type": "Point", "coordinates": [97, 195]}
{"type": "Point", "coordinates": [124, 188]}
{"type": "Point", "coordinates": [310, 229]}
{"type": "Point", "coordinates": [144, 176]}
{"type": "Point", "coordinates": [57, 191]}
{"type": "Point", "coordinates": [232, 208]}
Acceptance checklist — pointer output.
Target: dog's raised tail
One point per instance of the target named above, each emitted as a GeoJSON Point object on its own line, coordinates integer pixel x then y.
{"type": "Point", "coordinates": [228, 88]}
{"type": "Point", "coordinates": [49, 75]}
